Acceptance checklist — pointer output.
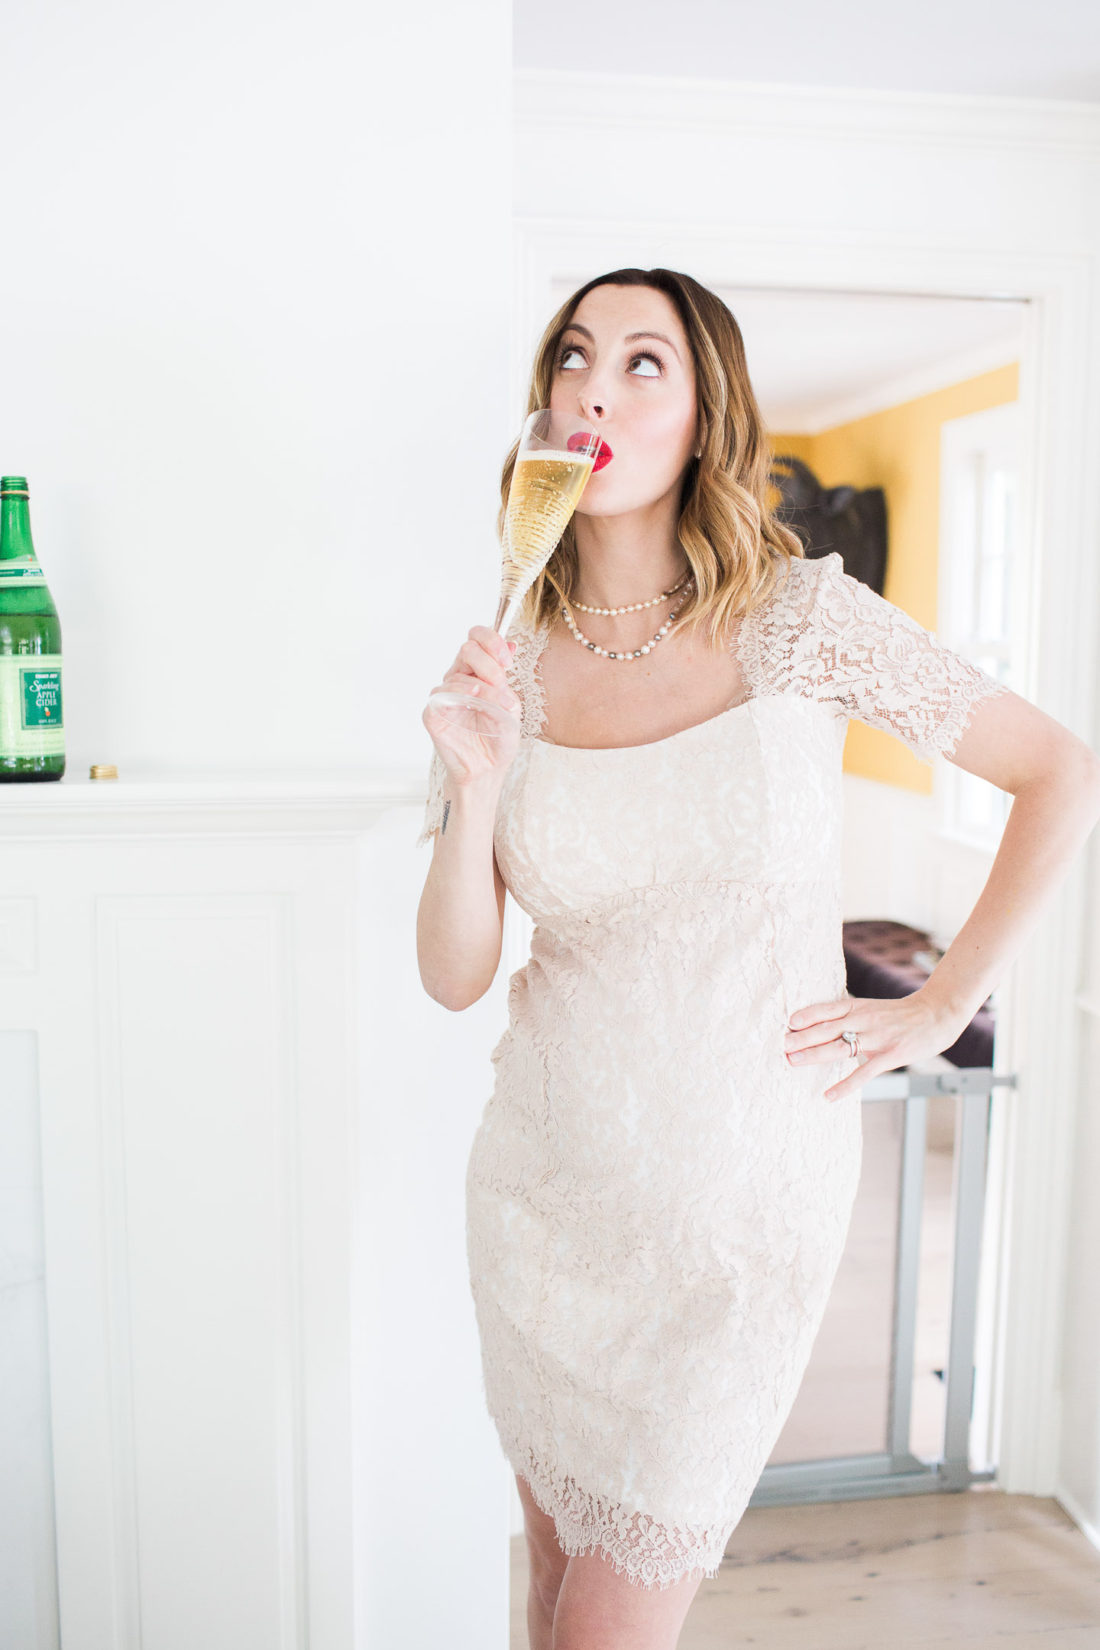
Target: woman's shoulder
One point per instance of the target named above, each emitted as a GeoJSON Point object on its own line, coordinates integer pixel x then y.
{"type": "Point", "coordinates": [784, 629]}
{"type": "Point", "coordinates": [831, 637]}
{"type": "Point", "coordinates": [803, 582]}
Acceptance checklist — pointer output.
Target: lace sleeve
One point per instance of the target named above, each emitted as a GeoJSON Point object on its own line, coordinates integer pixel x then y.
{"type": "Point", "coordinates": [832, 637]}
{"type": "Point", "coordinates": [433, 809]}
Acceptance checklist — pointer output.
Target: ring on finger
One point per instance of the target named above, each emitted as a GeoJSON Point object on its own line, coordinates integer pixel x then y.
{"type": "Point", "coordinates": [852, 1040]}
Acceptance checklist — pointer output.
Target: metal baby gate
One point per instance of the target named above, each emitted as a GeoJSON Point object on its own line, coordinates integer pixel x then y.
{"type": "Point", "coordinates": [896, 1469]}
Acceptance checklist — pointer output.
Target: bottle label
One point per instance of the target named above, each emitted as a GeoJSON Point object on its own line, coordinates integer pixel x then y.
{"type": "Point", "coordinates": [19, 572]}
{"type": "Point", "coordinates": [30, 705]}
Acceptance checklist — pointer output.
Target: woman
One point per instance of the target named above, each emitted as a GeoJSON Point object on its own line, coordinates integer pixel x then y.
{"type": "Point", "coordinates": [660, 1187]}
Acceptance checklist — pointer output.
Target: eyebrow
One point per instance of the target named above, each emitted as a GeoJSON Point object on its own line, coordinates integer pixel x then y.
{"type": "Point", "coordinates": [575, 326]}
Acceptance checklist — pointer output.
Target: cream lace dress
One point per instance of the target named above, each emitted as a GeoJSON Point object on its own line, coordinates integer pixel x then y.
{"type": "Point", "coordinates": [657, 1202]}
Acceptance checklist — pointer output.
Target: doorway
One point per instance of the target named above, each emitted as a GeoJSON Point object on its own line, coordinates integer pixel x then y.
{"type": "Point", "coordinates": [902, 1388]}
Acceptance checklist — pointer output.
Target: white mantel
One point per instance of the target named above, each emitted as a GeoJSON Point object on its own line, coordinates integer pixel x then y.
{"type": "Point", "coordinates": [166, 801]}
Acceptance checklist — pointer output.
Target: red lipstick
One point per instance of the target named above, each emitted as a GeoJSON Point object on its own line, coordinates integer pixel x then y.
{"type": "Point", "coordinates": [604, 455]}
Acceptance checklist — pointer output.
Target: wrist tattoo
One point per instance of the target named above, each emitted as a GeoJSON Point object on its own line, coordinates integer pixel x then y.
{"type": "Point", "coordinates": [446, 811]}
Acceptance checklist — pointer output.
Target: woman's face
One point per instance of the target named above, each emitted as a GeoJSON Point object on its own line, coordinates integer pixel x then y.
{"type": "Point", "coordinates": [637, 389]}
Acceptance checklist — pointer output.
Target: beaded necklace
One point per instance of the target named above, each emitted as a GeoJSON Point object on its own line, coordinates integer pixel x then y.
{"type": "Point", "coordinates": [685, 584]}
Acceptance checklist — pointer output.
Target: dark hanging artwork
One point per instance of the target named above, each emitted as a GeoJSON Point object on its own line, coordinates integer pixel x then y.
{"type": "Point", "coordinates": [851, 520]}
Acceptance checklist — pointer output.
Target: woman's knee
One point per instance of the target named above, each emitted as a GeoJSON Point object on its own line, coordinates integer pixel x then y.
{"type": "Point", "coordinates": [599, 1606]}
{"type": "Point", "coordinates": [546, 1561]}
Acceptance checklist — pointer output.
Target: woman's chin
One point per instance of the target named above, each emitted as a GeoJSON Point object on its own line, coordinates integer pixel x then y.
{"type": "Point", "coordinates": [603, 498]}
{"type": "Point", "coordinates": [611, 503]}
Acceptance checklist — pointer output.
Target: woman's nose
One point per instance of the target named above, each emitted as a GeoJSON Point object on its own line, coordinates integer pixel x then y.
{"type": "Point", "coordinates": [591, 408]}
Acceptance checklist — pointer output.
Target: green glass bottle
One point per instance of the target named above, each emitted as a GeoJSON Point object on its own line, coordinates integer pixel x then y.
{"type": "Point", "coordinates": [32, 734]}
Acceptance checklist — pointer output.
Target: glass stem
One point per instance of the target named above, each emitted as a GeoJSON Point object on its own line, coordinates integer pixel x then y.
{"type": "Point", "coordinates": [506, 612]}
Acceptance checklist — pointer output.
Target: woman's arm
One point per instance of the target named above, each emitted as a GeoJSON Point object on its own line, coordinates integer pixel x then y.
{"type": "Point", "coordinates": [460, 919]}
{"type": "Point", "coordinates": [1054, 778]}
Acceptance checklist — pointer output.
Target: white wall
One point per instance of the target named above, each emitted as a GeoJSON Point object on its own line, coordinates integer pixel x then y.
{"type": "Point", "coordinates": [899, 863]}
{"type": "Point", "coordinates": [254, 274]}
{"type": "Point", "coordinates": [255, 286]}
{"type": "Point", "coordinates": [432, 1481]}
{"type": "Point", "coordinates": [1080, 1464]}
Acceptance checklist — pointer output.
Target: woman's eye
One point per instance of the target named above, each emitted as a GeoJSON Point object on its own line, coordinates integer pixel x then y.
{"type": "Point", "coordinates": [571, 349]}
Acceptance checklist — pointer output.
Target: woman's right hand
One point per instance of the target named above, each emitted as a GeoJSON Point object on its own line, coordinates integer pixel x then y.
{"type": "Point", "coordinates": [479, 668]}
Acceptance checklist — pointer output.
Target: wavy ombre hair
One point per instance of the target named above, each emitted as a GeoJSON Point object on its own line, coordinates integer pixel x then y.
{"type": "Point", "coordinates": [736, 547]}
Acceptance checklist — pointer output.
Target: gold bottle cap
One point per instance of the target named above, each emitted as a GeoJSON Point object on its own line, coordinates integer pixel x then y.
{"type": "Point", "coordinates": [103, 770]}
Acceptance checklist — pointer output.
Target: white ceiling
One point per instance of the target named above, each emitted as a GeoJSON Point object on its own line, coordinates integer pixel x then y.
{"type": "Point", "coordinates": [821, 359]}
{"type": "Point", "coordinates": [1006, 48]}
{"type": "Point", "coordinates": [818, 359]}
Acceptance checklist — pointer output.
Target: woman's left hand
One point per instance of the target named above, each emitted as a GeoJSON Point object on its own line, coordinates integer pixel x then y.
{"type": "Point", "coordinates": [893, 1032]}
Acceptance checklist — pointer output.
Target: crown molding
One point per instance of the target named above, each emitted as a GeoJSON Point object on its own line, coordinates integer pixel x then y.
{"type": "Point", "coordinates": [573, 98]}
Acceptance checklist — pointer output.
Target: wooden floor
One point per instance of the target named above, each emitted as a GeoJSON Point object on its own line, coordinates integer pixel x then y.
{"type": "Point", "coordinates": [979, 1568]}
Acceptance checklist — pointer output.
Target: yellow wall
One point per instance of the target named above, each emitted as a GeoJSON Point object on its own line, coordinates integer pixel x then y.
{"type": "Point", "coordinates": [899, 451]}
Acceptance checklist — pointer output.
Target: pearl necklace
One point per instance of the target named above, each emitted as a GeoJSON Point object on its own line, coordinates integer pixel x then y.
{"type": "Point", "coordinates": [634, 607]}
{"type": "Point", "coordinates": [638, 651]}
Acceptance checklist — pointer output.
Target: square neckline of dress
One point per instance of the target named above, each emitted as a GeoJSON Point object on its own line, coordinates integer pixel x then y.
{"type": "Point", "coordinates": [542, 634]}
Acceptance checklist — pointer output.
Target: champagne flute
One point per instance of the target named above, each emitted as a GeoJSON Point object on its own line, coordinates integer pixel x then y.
{"type": "Point", "coordinates": [554, 460]}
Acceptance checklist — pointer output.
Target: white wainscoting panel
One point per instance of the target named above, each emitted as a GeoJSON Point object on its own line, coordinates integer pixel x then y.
{"type": "Point", "coordinates": [199, 1112]}
{"type": "Point", "coordinates": [28, 1558]}
{"type": "Point", "coordinates": [198, 1238]}
{"type": "Point", "coordinates": [18, 936]}
{"type": "Point", "coordinates": [243, 1376]}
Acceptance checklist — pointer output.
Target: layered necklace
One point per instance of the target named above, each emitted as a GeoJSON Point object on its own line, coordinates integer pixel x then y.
{"type": "Point", "coordinates": [685, 584]}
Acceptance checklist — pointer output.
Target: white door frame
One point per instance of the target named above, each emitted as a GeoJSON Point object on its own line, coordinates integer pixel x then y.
{"type": "Point", "coordinates": [1060, 404]}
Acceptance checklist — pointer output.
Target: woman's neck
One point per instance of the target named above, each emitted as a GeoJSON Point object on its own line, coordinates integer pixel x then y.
{"type": "Point", "coordinates": [619, 564]}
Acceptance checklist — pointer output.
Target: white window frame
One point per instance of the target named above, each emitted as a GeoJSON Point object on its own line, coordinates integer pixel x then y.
{"type": "Point", "coordinates": [979, 559]}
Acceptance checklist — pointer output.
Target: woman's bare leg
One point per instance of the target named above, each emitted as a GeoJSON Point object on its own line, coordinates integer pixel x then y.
{"type": "Point", "coordinates": [600, 1610]}
{"type": "Point", "coordinates": [546, 1563]}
